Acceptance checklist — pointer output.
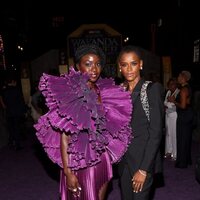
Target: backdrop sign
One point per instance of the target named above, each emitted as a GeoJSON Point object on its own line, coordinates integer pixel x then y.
{"type": "Point", "coordinates": [111, 45]}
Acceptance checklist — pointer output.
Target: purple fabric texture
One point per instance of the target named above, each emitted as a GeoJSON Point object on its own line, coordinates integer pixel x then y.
{"type": "Point", "coordinates": [91, 180]}
{"type": "Point", "coordinates": [93, 127]}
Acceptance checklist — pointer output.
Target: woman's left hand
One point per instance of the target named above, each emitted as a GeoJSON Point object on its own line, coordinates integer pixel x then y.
{"type": "Point", "coordinates": [138, 180]}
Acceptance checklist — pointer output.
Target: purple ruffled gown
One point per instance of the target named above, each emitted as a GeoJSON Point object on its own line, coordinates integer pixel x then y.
{"type": "Point", "coordinates": [99, 132]}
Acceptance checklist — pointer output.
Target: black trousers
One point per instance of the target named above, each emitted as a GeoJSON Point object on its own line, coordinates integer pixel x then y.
{"type": "Point", "coordinates": [127, 190]}
{"type": "Point", "coordinates": [184, 138]}
{"type": "Point", "coordinates": [13, 124]}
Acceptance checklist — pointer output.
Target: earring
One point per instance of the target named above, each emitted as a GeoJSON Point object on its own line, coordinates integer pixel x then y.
{"type": "Point", "coordinates": [120, 70]}
{"type": "Point", "coordinates": [141, 68]}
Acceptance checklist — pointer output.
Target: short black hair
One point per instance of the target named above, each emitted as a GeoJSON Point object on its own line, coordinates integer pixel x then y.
{"type": "Point", "coordinates": [131, 48]}
{"type": "Point", "coordinates": [89, 49]}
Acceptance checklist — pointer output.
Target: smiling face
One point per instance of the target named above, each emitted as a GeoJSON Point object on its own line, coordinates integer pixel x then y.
{"type": "Point", "coordinates": [90, 64]}
{"type": "Point", "coordinates": [130, 65]}
{"type": "Point", "coordinates": [172, 85]}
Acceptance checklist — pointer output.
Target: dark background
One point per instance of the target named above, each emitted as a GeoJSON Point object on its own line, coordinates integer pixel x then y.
{"type": "Point", "coordinates": [39, 26]}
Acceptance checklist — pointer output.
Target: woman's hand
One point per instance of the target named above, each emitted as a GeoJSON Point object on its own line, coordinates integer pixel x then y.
{"type": "Point", "coordinates": [72, 180]}
{"type": "Point", "coordinates": [171, 99]}
{"type": "Point", "coordinates": [72, 183]}
{"type": "Point", "coordinates": [138, 180]}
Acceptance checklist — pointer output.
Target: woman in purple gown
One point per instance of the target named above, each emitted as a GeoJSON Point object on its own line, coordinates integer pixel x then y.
{"type": "Point", "coordinates": [86, 129]}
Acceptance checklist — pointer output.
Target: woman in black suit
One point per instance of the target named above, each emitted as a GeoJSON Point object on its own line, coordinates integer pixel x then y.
{"type": "Point", "coordinates": [138, 164]}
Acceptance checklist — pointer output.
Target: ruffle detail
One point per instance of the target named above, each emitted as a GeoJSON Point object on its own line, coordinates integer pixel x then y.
{"type": "Point", "coordinates": [118, 108]}
{"type": "Point", "coordinates": [50, 139]}
{"type": "Point", "coordinates": [93, 128]}
{"type": "Point", "coordinates": [69, 95]}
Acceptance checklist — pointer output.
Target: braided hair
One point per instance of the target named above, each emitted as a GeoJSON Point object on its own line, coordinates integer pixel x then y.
{"type": "Point", "coordinates": [89, 49]}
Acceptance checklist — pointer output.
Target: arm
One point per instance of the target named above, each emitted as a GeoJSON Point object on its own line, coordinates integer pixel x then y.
{"type": "Point", "coordinates": [154, 128]}
{"type": "Point", "coordinates": [184, 100]}
{"type": "Point", "coordinates": [72, 181]}
{"type": "Point", "coordinates": [34, 101]}
{"type": "Point", "coordinates": [2, 103]}
{"type": "Point", "coordinates": [166, 98]}
{"type": "Point", "coordinates": [155, 97]}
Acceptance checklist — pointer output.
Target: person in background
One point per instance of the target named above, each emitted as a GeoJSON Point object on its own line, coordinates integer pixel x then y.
{"type": "Point", "coordinates": [14, 105]}
{"type": "Point", "coordinates": [87, 128]}
{"type": "Point", "coordinates": [2, 104]}
{"type": "Point", "coordinates": [184, 124]}
{"type": "Point", "coordinates": [3, 127]}
{"type": "Point", "coordinates": [138, 165]}
{"type": "Point", "coordinates": [170, 120]}
{"type": "Point", "coordinates": [37, 103]}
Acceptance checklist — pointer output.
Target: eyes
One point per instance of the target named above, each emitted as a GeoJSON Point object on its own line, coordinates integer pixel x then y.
{"type": "Point", "coordinates": [89, 64]}
{"type": "Point", "coordinates": [132, 64]}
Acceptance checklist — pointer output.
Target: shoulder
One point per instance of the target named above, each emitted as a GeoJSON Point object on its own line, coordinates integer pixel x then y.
{"type": "Point", "coordinates": [168, 93]}
{"type": "Point", "coordinates": [108, 84]}
{"type": "Point", "coordinates": [156, 89]}
{"type": "Point", "coordinates": [104, 82]}
{"type": "Point", "coordinates": [185, 88]}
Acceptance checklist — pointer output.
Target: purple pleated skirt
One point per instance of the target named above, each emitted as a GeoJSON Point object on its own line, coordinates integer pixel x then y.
{"type": "Point", "coordinates": [91, 180]}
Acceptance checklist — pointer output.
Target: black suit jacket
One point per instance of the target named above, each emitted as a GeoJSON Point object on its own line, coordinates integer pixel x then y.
{"type": "Point", "coordinates": [144, 146]}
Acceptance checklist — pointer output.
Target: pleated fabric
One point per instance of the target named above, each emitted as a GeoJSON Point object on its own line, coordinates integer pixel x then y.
{"type": "Point", "coordinates": [91, 180]}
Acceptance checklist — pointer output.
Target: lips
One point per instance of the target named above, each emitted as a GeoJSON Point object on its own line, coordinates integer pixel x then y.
{"type": "Point", "coordinates": [93, 75]}
{"type": "Point", "coordinates": [129, 75]}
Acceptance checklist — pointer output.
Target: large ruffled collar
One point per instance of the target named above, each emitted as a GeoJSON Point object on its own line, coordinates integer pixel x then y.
{"type": "Point", "coordinates": [94, 127]}
{"type": "Point", "coordinates": [70, 95]}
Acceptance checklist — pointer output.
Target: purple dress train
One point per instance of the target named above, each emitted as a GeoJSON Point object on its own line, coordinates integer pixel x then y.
{"type": "Point", "coordinates": [99, 132]}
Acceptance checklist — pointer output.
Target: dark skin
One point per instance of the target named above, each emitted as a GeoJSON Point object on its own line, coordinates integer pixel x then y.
{"type": "Point", "coordinates": [130, 65]}
{"type": "Point", "coordinates": [184, 93]}
{"type": "Point", "coordinates": [172, 86]}
{"type": "Point", "coordinates": [90, 64]}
